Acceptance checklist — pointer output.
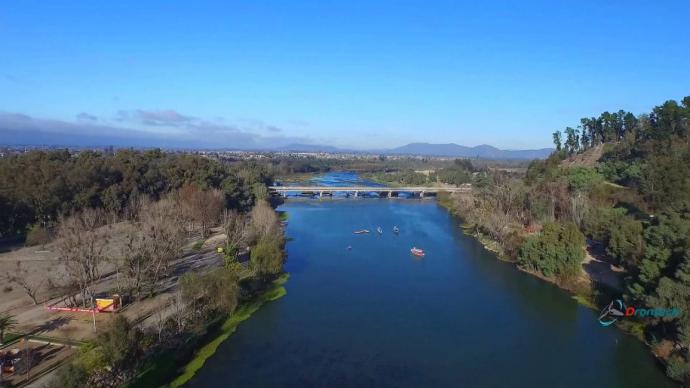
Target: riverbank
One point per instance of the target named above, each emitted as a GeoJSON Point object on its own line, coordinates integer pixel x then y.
{"type": "Point", "coordinates": [297, 177]}
{"type": "Point", "coordinates": [163, 369]}
{"type": "Point", "coordinates": [377, 179]}
{"type": "Point", "coordinates": [241, 314]}
{"type": "Point", "coordinates": [586, 290]}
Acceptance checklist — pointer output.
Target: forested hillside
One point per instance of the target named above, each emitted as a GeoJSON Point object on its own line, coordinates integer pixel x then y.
{"type": "Point", "coordinates": [632, 208]}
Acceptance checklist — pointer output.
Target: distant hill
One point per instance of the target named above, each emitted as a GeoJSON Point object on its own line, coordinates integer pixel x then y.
{"type": "Point", "coordinates": [310, 148]}
{"type": "Point", "coordinates": [482, 151]}
{"type": "Point", "coordinates": [426, 149]}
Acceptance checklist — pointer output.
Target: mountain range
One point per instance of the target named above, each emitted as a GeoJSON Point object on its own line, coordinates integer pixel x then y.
{"type": "Point", "coordinates": [481, 151]}
{"type": "Point", "coordinates": [427, 149]}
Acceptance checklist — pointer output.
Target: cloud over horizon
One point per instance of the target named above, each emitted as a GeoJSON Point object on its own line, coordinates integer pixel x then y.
{"type": "Point", "coordinates": [86, 116]}
{"type": "Point", "coordinates": [172, 130]}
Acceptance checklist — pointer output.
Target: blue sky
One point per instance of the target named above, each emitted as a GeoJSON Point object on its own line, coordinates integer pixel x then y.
{"type": "Point", "coordinates": [363, 74]}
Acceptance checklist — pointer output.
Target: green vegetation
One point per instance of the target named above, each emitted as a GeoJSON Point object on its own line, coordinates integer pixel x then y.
{"type": "Point", "coordinates": [266, 258]}
{"type": "Point", "coordinates": [457, 173]}
{"type": "Point", "coordinates": [632, 204]}
{"type": "Point", "coordinates": [110, 360]}
{"type": "Point", "coordinates": [7, 322]}
{"type": "Point", "coordinates": [41, 185]}
{"type": "Point", "coordinates": [243, 312]}
{"type": "Point", "coordinates": [206, 311]}
{"type": "Point", "coordinates": [159, 200]}
{"type": "Point", "coordinates": [556, 252]}
{"type": "Point", "coordinates": [402, 178]}
{"type": "Point", "coordinates": [198, 244]}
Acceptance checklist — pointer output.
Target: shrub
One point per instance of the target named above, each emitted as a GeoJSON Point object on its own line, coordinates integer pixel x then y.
{"type": "Point", "coordinates": [71, 375]}
{"type": "Point", "coordinates": [208, 294]}
{"type": "Point", "coordinates": [582, 178]}
{"type": "Point", "coordinates": [557, 252]}
{"type": "Point", "coordinates": [37, 235]}
{"type": "Point", "coordinates": [121, 343]}
{"type": "Point", "coordinates": [678, 369]}
{"type": "Point", "coordinates": [267, 257]}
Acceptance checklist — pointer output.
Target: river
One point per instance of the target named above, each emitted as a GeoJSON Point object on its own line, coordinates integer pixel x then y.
{"type": "Point", "coordinates": [374, 315]}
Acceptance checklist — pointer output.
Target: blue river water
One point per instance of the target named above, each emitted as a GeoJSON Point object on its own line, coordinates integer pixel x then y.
{"type": "Point", "coordinates": [374, 315]}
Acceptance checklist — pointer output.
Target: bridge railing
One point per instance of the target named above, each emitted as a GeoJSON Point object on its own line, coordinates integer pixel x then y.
{"type": "Point", "coordinates": [355, 191]}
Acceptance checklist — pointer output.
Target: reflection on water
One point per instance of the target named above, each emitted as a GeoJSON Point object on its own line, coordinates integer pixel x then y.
{"type": "Point", "coordinates": [377, 316]}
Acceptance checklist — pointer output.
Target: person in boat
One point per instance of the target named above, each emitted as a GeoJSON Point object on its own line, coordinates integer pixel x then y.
{"type": "Point", "coordinates": [395, 229]}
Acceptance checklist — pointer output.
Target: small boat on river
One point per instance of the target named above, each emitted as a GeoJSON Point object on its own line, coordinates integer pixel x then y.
{"type": "Point", "coordinates": [417, 252]}
{"type": "Point", "coordinates": [379, 230]}
{"type": "Point", "coordinates": [396, 230]}
{"type": "Point", "coordinates": [363, 231]}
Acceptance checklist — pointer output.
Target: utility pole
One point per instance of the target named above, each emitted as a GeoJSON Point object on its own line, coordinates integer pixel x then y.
{"type": "Point", "coordinates": [28, 359]}
{"type": "Point", "coordinates": [93, 313]}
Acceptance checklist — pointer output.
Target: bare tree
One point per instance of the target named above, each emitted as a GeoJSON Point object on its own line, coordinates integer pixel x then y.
{"type": "Point", "coordinates": [160, 322]}
{"type": "Point", "coordinates": [152, 242]}
{"type": "Point", "coordinates": [164, 236]}
{"type": "Point", "coordinates": [81, 249]}
{"type": "Point", "coordinates": [264, 221]}
{"type": "Point", "coordinates": [134, 262]}
{"type": "Point", "coordinates": [179, 311]}
{"type": "Point", "coordinates": [135, 203]}
{"type": "Point", "coordinates": [235, 226]}
{"type": "Point", "coordinates": [579, 208]}
{"type": "Point", "coordinates": [22, 278]}
{"type": "Point", "coordinates": [201, 207]}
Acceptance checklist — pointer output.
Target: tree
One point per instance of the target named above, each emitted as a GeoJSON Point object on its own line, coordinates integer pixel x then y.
{"type": "Point", "coordinates": [572, 142]}
{"type": "Point", "coordinates": [121, 343]}
{"type": "Point", "coordinates": [202, 207]}
{"type": "Point", "coordinates": [626, 241]}
{"type": "Point", "coordinates": [7, 322]}
{"type": "Point", "coordinates": [152, 245]}
{"type": "Point", "coordinates": [214, 292]}
{"type": "Point", "coordinates": [30, 284]}
{"type": "Point", "coordinates": [264, 222]}
{"type": "Point", "coordinates": [557, 140]}
{"type": "Point", "coordinates": [557, 252]}
{"type": "Point", "coordinates": [235, 226]}
{"type": "Point", "coordinates": [267, 257]}
{"type": "Point", "coordinates": [81, 248]}
{"type": "Point", "coordinates": [71, 375]}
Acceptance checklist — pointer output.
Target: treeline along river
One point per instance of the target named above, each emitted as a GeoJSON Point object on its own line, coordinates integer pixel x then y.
{"type": "Point", "coordinates": [374, 315]}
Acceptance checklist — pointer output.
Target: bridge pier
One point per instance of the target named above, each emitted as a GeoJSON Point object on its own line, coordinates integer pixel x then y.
{"type": "Point", "coordinates": [421, 195]}
{"type": "Point", "coordinates": [356, 193]}
{"type": "Point", "coordinates": [390, 194]}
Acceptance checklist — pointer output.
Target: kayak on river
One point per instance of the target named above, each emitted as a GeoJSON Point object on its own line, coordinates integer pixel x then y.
{"type": "Point", "coordinates": [417, 252]}
{"type": "Point", "coordinates": [363, 231]}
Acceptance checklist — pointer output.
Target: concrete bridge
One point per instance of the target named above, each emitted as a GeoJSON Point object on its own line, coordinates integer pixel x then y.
{"type": "Point", "coordinates": [356, 191]}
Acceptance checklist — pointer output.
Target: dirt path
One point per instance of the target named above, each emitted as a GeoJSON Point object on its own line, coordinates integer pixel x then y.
{"type": "Point", "coordinates": [601, 271]}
